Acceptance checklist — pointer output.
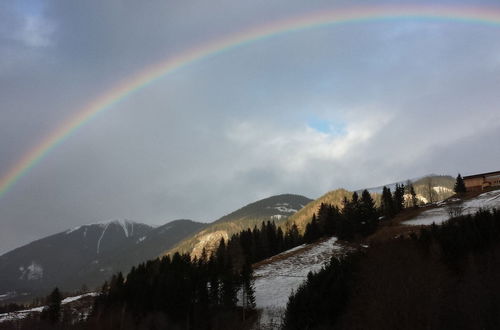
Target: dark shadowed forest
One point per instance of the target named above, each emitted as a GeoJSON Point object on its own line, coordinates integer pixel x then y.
{"type": "Point", "coordinates": [444, 277]}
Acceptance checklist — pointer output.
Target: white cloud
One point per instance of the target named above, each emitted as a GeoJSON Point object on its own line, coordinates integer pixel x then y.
{"type": "Point", "coordinates": [36, 31]}
{"type": "Point", "coordinates": [297, 149]}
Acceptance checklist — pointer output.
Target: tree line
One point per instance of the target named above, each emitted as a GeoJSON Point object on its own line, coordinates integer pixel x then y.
{"type": "Point", "coordinates": [178, 291]}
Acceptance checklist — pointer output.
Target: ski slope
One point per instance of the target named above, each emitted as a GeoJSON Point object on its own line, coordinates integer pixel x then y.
{"type": "Point", "coordinates": [282, 274]}
{"type": "Point", "coordinates": [488, 200]}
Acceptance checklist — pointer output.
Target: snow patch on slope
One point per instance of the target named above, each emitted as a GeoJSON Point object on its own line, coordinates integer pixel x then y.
{"type": "Point", "coordinates": [163, 230]}
{"type": "Point", "coordinates": [488, 200]}
{"type": "Point", "coordinates": [24, 313]}
{"type": "Point", "coordinates": [7, 295]}
{"type": "Point", "coordinates": [283, 207]}
{"type": "Point", "coordinates": [123, 224]}
{"type": "Point", "coordinates": [275, 280]}
{"type": "Point", "coordinates": [100, 238]}
{"type": "Point", "coordinates": [69, 231]}
{"type": "Point", "coordinates": [32, 272]}
{"type": "Point", "coordinates": [419, 197]}
{"type": "Point", "coordinates": [441, 189]}
{"type": "Point", "coordinates": [75, 298]}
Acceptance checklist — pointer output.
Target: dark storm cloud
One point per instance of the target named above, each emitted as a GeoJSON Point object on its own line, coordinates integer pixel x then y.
{"type": "Point", "coordinates": [406, 98]}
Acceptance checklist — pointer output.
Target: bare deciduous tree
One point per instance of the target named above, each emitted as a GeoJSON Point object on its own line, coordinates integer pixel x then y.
{"type": "Point", "coordinates": [455, 209]}
{"type": "Point", "coordinates": [429, 190]}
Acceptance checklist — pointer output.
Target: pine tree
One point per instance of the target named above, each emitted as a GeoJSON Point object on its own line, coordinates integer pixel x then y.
{"type": "Point", "coordinates": [331, 223]}
{"type": "Point", "coordinates": [387, 204]}
{"type": "Point", "coordinates": [228, 289]}
{"type": "Point", "coordinates": [312, 232]}
{"type": "Point", "coordinates": [368, 213]}
{"type": "Point", "coordinates": [220, 255]}
{"type": "Point", "coordinates": [355, 198]}
{"type": "Point", "coordinates": [52, 312]}
{"type": "Point", "coordinates": [292, 237]}
{"type": "Point", "coordinates": [324, 219]}
{"type": "Point", "coordinates": [116, 286]}
{"type": "Point", "coordinates": [271, 234]}
{"type": "Point", "coordinates": [399, 199]}
{"type": "Point", "coordinates": [411, 199]}
{"type": "Point", "coordinates": [414, 199]}
{"type": "Point", "coordinates": [214, 283]}
{"type": "Point", "coordinates": [353, 213]}
{"type": "Point", "coordinates": [280, 239]}
{"type": "Point", "coordinates": [460, 185]}
{"type": "Point", "coordinates": [346, 225]}
{"type": "Point", "coordinates": [248, 290]}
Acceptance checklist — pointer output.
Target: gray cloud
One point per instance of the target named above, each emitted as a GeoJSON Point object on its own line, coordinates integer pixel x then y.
{"type": "Point", "coordinates": [404, 98]}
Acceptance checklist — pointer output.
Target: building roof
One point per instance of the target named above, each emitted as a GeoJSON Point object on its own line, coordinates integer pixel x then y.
{"type": "Point", "coordinates": [481, 175]}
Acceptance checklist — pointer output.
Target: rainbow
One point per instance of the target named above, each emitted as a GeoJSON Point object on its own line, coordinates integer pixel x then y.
{"type": "Point", "coordinates": [476, 15]}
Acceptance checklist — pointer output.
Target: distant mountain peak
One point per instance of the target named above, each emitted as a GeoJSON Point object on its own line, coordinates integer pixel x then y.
{"type": "Point", "coordinates": [275, 208]}
{"type": "Point", "coordinates": [125, 224]}
{"type": "Point", "coordinates": [90, 254]}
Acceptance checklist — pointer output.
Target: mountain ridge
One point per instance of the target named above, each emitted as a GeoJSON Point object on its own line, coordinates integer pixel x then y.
{"type": "Point", "coordinates": [274, 208]}
{"type": "Point", "coordinates": [89, 254]}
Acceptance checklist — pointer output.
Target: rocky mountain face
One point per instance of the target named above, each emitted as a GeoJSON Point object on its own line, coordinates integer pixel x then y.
{"type": "Point", "coordinates": [85, 255]}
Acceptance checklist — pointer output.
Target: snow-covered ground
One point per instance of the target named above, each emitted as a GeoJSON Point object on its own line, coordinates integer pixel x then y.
{"type": "Point", "coordinates": [275, 280]}
{"type": "Point", "coordinates": [31, 272]}
{"type": "Point", "coordinates": [24, 313]}
{"type": "Point", "coordinates": [488, 200]}
{"type": "Point", "coordinates": [283, 207]}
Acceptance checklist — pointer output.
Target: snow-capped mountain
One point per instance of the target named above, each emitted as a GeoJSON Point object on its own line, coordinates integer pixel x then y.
{"type": "Point", "coordinates": [87, 254]}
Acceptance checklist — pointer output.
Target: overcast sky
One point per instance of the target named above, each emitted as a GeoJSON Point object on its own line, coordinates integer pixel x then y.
{"type": "Point", "coordinates": [351, 106]}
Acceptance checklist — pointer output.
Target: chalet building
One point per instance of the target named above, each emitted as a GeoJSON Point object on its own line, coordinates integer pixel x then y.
{"type": "Point", "coordinates": [482, 181]}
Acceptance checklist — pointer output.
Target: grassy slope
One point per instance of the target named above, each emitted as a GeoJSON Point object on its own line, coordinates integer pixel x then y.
{"type": "Point", "coordinates": [303, 217]}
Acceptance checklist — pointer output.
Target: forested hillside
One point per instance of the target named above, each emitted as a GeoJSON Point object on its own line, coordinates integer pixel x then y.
{"type": "Point", "coordinates": [276, 208]}
{"type": "Point", "coordinates": [443, 277]}
{"type": "Point", "coordinates": [430, 188]}
{"type": "Point", "coordinates": [302, 217]}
